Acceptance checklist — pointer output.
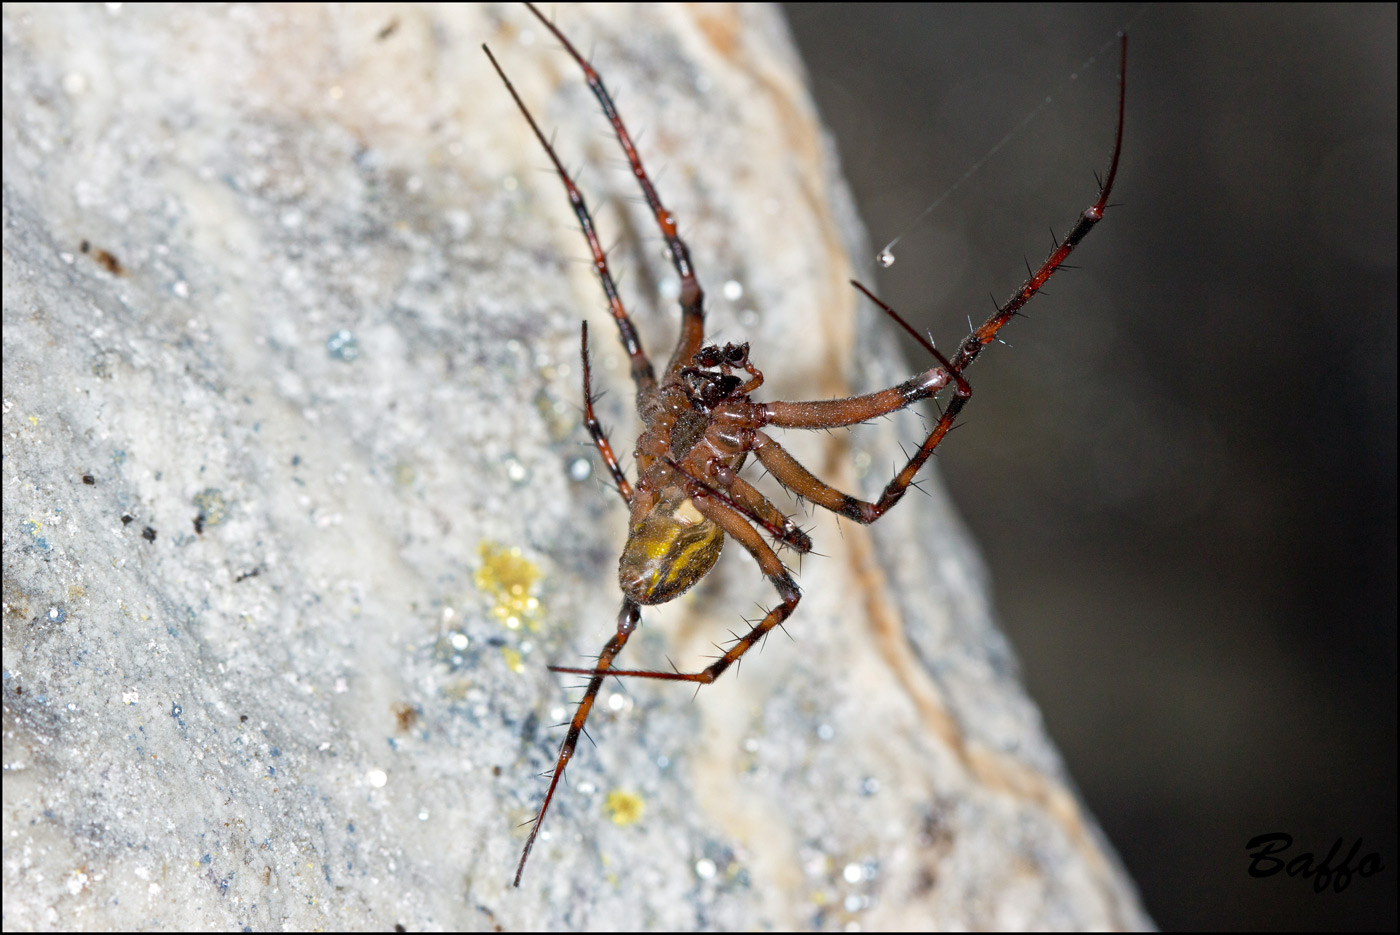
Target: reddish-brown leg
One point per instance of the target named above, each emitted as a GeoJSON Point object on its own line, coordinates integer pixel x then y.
{"type": "Point", "coordinates": [837, 413]}
{"type": "Point", "coordinates": [763, 509]}
{"type": "Point", "coordinates": [736, 526]}
{"type": "Point", "coordinates": [792, 475]}
{"type": "Point", "coordinates": [642, 373]}
{"type": "Point", "coordinates": [737, 494]}
{"type": "Point", "coordinates": [692, 297]}
{"type": "Point", "coordinates": [595, 430]}
{"type": "Point", "coordinates": [831, 413]}
{"type": "Point", "coordinates": [973, 344]}
{"type": "Point", "coordinates": [627, 620]}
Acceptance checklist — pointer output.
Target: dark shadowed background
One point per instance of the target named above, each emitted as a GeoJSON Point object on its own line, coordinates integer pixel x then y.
{"type": "Point", "coordinates": [1182, 473]}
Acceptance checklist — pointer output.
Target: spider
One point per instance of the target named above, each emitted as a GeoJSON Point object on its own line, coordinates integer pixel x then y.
{"type": "Point", "coordinates": [700, 424]}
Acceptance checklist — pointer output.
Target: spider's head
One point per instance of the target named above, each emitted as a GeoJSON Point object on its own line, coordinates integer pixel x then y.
{"type": "Point", "coordinates": [708, 389]}
{"type": "Point", "coordinates": [668, 550]}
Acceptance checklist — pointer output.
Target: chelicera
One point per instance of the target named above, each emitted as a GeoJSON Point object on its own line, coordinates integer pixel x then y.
{"type": "Point", "coordinates": [700, 424]}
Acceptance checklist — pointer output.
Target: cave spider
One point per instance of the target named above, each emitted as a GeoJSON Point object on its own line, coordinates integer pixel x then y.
{"type": "Point", "coordinates": [700, 425]}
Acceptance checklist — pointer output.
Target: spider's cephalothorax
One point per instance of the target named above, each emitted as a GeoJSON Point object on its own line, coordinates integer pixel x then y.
{"type": "Point", "coordinates": [700, 425]}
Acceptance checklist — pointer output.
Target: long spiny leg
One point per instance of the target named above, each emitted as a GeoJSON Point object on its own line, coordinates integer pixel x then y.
{"type": "Point", "coordinates": [828, 414]}
{"type": "Point", "coordinates": [627, 620]}
{"type": "Point", "coordinates": [692, 297]}
{"type": "Point", "coordinates": [792, 475]}
{"type": "Point", "coordinates": [742, 497]}
{"type": "Point", "coordinates": [736, 526]}
{"type": "Point", "coordinates": [642, 373]}
{"type": "Point", "coordinates": [973, 344]}
{"type": "Point", "coordinates": [755, 503]}
{"type": "Point", "coordinates": [595, 430]}
{"type": "Point", "coordinates": [836, 413]}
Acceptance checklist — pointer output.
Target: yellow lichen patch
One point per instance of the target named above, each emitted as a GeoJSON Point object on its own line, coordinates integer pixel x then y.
{"type": "Point", "coordinates": [210, 502]}
{"type": "Point", "coordinates": [508, 577]}
{"type": "Point", "coordinates": [624, 808]}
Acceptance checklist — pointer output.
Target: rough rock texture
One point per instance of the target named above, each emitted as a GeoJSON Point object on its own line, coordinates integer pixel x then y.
{"type": "Point", "coordinates": [290, 372]}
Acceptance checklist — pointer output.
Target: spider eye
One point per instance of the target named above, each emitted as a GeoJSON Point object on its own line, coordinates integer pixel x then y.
{"type": "Point", "coordinates": [736, 354]}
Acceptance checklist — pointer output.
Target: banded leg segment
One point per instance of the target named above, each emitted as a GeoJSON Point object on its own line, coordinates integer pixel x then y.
{"type": "Point", "coordinates": [791, 474]}
{"type": "Point", "coordinates": [826, 414]}
{"type": "Point", "coordinates": [595, 430]}
{"type": "Point", "coordinates": [834, 412]}
{"type": "Point", "coordinates": [860, 510]}
{"type": "Point", "coordinates": [986, 334]}
{"type": "Point", "coordinates": [692, 297]}
{"type": "Point", "coordinates": [735, 525]}
{"type": "Point", "coordinates": [772, 518]}
{"type": "Point", "coordinates": [742, 497]}
{"type": "Point", "coordinates": [627, 620]}
{"type": "Point", "coordinates": [642, 373]}
{"type": "Point", "coordinates": [838, 413]}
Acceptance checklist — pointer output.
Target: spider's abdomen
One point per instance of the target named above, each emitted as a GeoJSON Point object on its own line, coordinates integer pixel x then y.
{"type": "Point", "coordinates": [668, 550]}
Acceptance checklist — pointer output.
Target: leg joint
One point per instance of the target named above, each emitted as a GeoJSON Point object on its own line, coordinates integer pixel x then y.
{"type": "Point", "coordinates": [787, 589]}
{"type": "Point", "coordinates": [858, 510]}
